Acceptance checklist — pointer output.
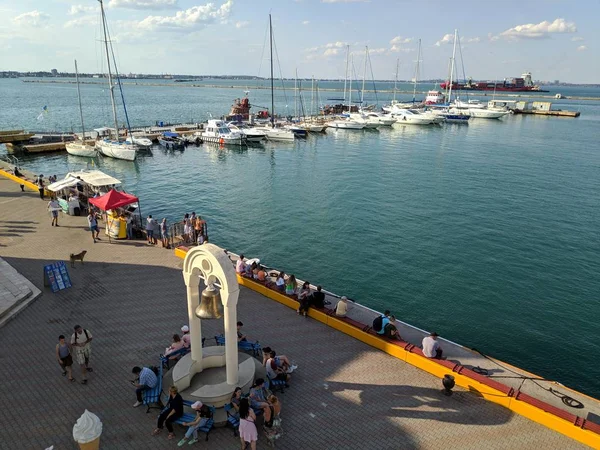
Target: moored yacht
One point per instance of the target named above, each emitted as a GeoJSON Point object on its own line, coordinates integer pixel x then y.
{"type": "Point", "coordinates": [217, 132]}
{"type": "Point", "coordinates": [346, 123]}
{"type": "Point", "coordinates": [117, 149]}
{"type": "Point", "coordinates": [414, 117]}
{"type": "Point", "coordinates": [251, 134]}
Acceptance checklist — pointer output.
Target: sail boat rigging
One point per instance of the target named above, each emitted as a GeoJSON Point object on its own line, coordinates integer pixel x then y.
{"type": "Point", "coordinates": [80, 148]}
{"type": "Point", "coordinates": [114, 148]}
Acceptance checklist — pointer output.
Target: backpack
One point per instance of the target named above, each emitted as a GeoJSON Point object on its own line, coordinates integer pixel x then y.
{"type": "Point", "coordinates": [87, 336]}
{"type": "Point", "coordinates": [378, 323]}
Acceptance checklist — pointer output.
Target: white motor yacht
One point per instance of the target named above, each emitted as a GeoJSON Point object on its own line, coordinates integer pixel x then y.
{"type": "Point", "coordinates": [278, 134]}
{"type": "Point", "coordinates": [370, 122]}
{"type": "Point", "coordinates": [251, 134]}
{"type": "Point", "coordinates": [414, 117]}
{"type": "Point", "coordinates": [217, 132]}
{"type": "Point", "coordinates": [385, 120]}
{"type": "Point", "coordinates": [80, 148]}
{"type": "Point", "coordinates": [346, 124]}
{"type": "Point", "coordinates": [117, 149]}
{"type": "Point", "coordinates": [484, 113]}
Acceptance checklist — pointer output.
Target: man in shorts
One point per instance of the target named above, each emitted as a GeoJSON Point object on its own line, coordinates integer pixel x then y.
{"type": "Point", "coordinates": [54, 207]}
{"type": "Point", "coordinates": [93, 223]}
{"type": "Point", "coordinates": [81, 341]}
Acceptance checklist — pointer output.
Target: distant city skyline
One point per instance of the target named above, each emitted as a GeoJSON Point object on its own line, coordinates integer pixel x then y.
{"type": "Point", "coordinates": [558, 41]}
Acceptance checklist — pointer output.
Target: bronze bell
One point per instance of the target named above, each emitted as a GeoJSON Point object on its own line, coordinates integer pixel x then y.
{"type": "Point", "coordinates": [210, 304]}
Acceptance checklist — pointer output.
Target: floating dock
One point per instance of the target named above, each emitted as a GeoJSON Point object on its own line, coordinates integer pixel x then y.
{"type": "Point", "coordinates": [14, 136]}
{"type": "Point", "coordinates": [556, 113]}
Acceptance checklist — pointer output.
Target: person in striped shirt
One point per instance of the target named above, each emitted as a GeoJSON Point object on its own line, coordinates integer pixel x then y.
{"type": "Point", "coordinates": [146, 379]}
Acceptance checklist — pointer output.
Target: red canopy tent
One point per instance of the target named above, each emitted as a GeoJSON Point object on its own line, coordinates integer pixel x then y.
{"type": "Point", "coordinates": [113, 199]}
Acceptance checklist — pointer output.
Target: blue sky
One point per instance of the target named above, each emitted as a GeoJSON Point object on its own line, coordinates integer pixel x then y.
{"type": "Point", "coordinates": [553, 39]}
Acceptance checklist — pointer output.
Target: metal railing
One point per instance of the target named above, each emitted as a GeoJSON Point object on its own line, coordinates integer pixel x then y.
{"type": "Point", "coordinates": [177, 236]}
{"type": "Point", "coordinates": [10, 159]}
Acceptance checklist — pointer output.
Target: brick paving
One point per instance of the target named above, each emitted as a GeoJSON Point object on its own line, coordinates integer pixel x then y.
{"type": "Point", "coordinates": [345, 395]}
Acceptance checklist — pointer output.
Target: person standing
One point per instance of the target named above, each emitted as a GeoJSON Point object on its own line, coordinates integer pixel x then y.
{"type": "Point", "coordinates": [40, 184]}
{"type": "Point", "coordinates": [150, 229]}
{"type": "Point", "coordinates": [93, 223]}
{"type": "Point", "coordinates": [81, 341]}
{"type": "Point", "coordinates": [198, 224]}
{"type": "Point", "coordinates": [129, 226]}
{"type": "Point", "coordinates": [164, 233]}
{"type": "Point", "coordinates": [63, 354]}
{"type": "Point", "coordinates": [146, 379]}
{"type": "Point", "coordinates": [247, 428]}
{"type": "Point", "coordinates": [54, 207]}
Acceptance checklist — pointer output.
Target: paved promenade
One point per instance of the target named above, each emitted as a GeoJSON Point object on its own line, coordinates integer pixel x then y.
{"type": "Point", "coordinates": [131, 296]}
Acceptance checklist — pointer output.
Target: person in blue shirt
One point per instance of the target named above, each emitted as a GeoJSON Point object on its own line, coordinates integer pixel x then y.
{"type": "Point", "coordinates": [146, 380]}
{"type": "Point", "coordinates": [385, 319]}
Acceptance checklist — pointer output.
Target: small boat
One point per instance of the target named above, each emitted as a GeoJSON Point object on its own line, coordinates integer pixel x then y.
{"type": "Point", "coordinates": [370, 122]}
{"type": "Point", "coordinates": [171, 141]}
{"type": "Point", "coordinates": [251, 134]}
{"type": "Point", "coordinates": [278, 134]}
{"type": "Point", "coordinates": [453, 115]}
{"type": "Point", "coordinates": [297, 129]}
{"type": "Point", "coordinates": [217, 132]}
{"type": "Point", "coordinates": [345, 124]}
{"type": "Point", "coordinates": [313, 127]}
{"type": "Point", "coordinates": [484, 113]}
{"type": "Point", "coordinates": [141, 142]}
{"type": "Point", "coordinates": [80, 148]}
{"type": "Point", "coordinates": [414, 117]}
{"type": "Point", "coordinates": [385, 120]}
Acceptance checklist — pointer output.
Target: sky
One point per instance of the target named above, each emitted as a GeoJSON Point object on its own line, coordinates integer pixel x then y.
{"type": "Point", "coordinates": [552, 39]}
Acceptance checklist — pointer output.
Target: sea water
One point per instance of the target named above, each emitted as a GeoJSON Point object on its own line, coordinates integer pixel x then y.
{"type": "Point", "coordinates": [485, 233]}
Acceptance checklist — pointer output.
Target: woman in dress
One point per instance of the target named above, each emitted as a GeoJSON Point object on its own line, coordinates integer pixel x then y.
{"type": "Point", "coordinates": [272, 426]}
{"type": "Point", "coordinates": [248, 432]}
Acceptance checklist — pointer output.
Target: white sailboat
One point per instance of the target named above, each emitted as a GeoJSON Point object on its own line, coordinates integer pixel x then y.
{"type": "Point", "coordinates": [273, 133]}
{"type": "Point", "coordinates": [80, 148]}
{"type": "Point", "coordinates": [113, 148]}
{"type": "Point", "coordinates": [346, 122]}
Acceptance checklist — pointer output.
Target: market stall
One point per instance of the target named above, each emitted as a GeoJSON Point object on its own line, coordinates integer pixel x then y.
{"type": "Point", "coordinates": [121, 209]}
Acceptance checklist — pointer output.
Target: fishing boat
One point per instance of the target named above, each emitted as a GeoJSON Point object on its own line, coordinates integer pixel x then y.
{"type": "Point", "coordinates": [171, 141]}
{"type": "Point", "coordinates": [114, 148]}
{"type": "Point", "coordinates": [217, 132]}
{"type": "Point", "coordinates": [80, 147]}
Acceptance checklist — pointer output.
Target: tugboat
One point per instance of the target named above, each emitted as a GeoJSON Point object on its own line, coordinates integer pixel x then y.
{"type": "Point", "coordinates": [240, 110]}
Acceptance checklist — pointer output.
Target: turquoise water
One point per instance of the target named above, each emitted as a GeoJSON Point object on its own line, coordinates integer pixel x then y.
{"type": "Point", "coordinates": [486, 233]}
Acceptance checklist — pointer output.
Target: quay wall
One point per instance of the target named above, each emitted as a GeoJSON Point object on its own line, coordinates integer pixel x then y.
{"type": "Point", "coordinates": [520, 403]}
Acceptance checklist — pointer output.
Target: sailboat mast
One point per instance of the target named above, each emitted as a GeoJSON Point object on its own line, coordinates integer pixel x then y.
{"type": "Point", "coordinates": [416, 73]}
{"type": "Point", "coordinates": [362, 91]}
{"type": "Point", "coordinates": [346, 73]}
{"type": "Point", "coordinates": [296, 95]}
{"type": "Point", "coordinates": [79, 97]}
{"type": "Point", "coordinates": [350, 88]}
{"type": "Point", "coordinates": [452, 66]}
{"type": "Point", "coordinates": [110, 83]}
{"type": "Point", "coordinates": [396, 79]}
{"type": "Point", "coordinates": [312, 96]}
{"type": "Point", "coordinates": [272, 95]}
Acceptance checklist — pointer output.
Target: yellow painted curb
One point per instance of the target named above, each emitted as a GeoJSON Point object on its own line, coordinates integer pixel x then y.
{"type": "Point", "coordinates": [430, 366]}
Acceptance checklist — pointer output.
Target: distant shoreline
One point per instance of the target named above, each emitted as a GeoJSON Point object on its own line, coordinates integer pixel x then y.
{"type": "Point", "coordinates": [387, 91]}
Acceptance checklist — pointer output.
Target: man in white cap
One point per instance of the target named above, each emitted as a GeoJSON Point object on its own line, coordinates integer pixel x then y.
{"type": "Point", "coordinates": [203, 414]}
{"type": "Point", "coordinates": [186, 338]}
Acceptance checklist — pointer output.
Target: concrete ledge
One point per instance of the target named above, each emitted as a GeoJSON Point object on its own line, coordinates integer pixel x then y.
{"type": "Point", "coordinates": [22, 299]}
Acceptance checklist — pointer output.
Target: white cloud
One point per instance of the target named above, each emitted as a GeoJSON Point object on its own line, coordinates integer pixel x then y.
{"type": "Point", "coordinates": [305, 22]}
{"type": "Point", "coordinates": [400, 40]}
{"type": "Point", "coordinates": [581, 48]}
{"type": "Point", "coordinates": [325, 50]}
{"type": "Point", "coordinates": [447, 39]}
{"type": "Point", "coordinates": [539, 30]}
{"type": "Point", "coordinates": [32, 18]}
{"type": "Point", "coordinates": [242, 24]}
{"type": "Point", "coordinates": [82, 21]}
{"type": "Point", "coordinates": [191, 18]}
{"type": "Point", "coordinates": [143, 4]}
{"type": "Point", "coordinates": [377, 51]}
{"type": "Point", "coordinates": [80, 9]}
{"type": "Point", "coordinates": [577, 39]}
{"type": "Point", "coordinates": [331, 52]}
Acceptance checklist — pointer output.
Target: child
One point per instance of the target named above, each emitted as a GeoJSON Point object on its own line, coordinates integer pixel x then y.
{"type": "Point", "coordinates": [63, 354]}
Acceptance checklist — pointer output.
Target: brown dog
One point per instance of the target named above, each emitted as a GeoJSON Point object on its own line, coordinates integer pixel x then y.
{"type": "Point", "coordinates": [79, 256]}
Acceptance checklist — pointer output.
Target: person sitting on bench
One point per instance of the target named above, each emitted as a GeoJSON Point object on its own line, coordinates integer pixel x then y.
{"type": "Point", "coordinates": [145, 379]}
{"type": "Point", "coordinates": [318, 298]}
{"type": "Point", "coordinates": [431, 347]}
{"type": "Point", "coordinates": [203, 415]}
{"type": "Point", "coordinates": [275, 372]}
{"type": "Point", "coordinates": [304, 297]}
{"type": "Point", "coordinates": [258, 395]}
{"type": "Point", "coordinates": [390, 331]}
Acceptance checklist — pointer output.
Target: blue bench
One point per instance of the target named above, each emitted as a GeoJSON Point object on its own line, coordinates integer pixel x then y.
{"type": "Point", "coordinates": [233, 418]}
{"type": "Point", "coordinates": [165, 360]}
{"type": "Point", "coordinates": [190, 417]}
{"type": "Point", "coordinates": [153, 396]}
{"type": "Point", "coordinates": [247, 346]}
{"type": "Point", "coordinates": [277, 385]}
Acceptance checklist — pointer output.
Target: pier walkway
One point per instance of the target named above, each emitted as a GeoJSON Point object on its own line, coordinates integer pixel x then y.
{"type": "Point", "coordinates": [131, 296]}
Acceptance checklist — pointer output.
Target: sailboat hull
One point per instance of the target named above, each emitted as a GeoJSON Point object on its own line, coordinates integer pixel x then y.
{"type": "Point", "coordinates": [117, 150]}
{"type": "Point", "coordinates": [79, 149]}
